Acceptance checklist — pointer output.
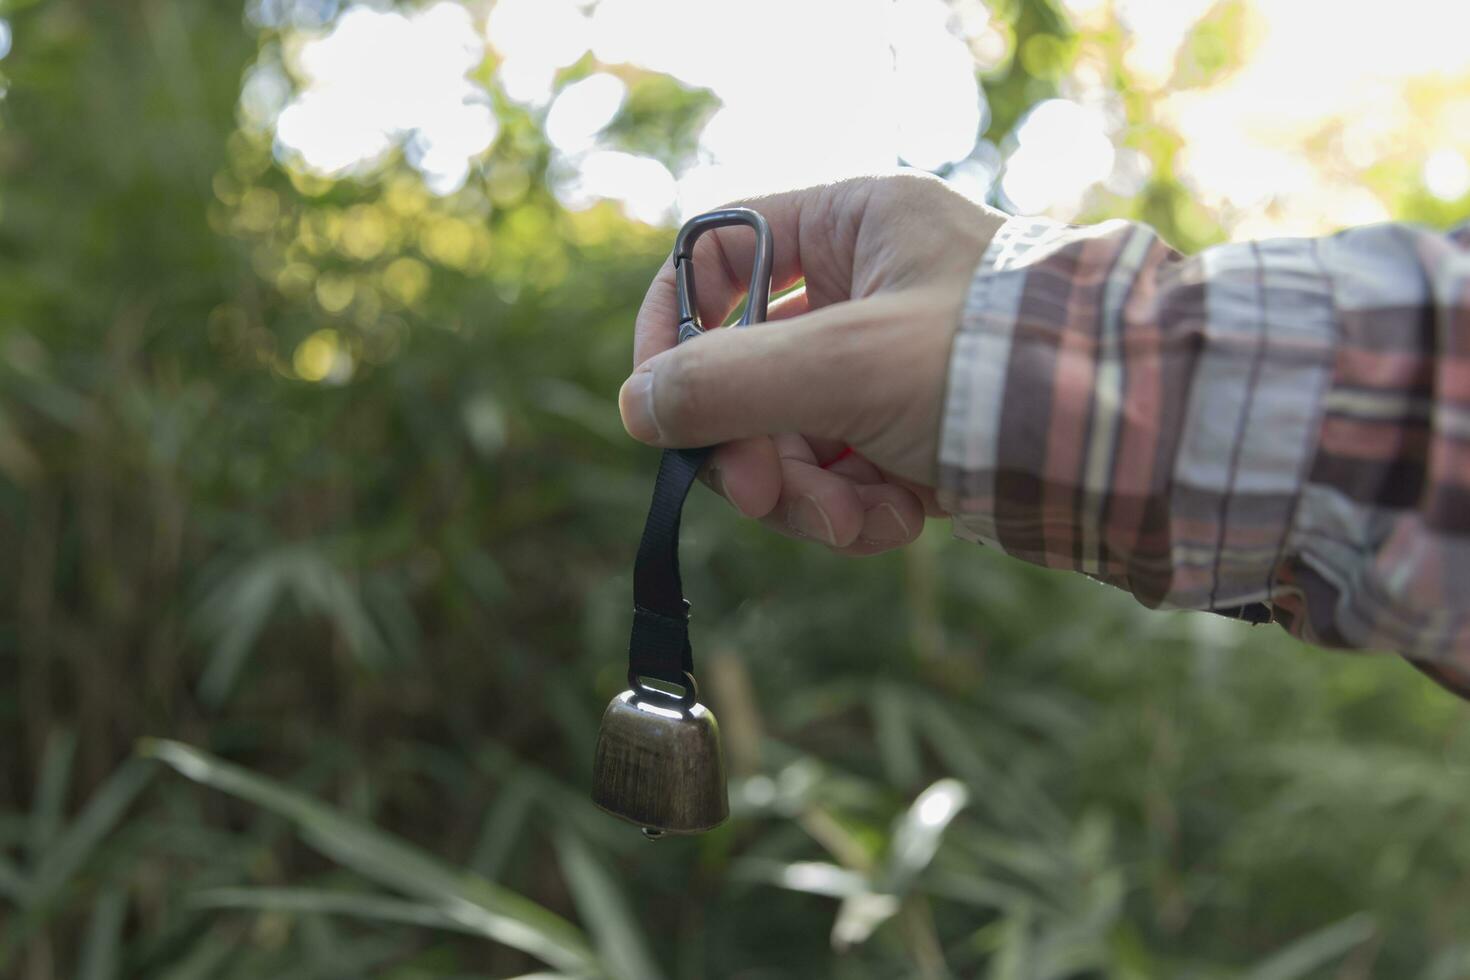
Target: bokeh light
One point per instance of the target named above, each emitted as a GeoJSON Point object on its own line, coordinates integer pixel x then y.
{"type": "Point", "coordinates": [582, 110]}
{"type": "Point", "coordinates": [381, 79]}
{"type": "Point", "coordinates": [901, 82]}
{"type": "Point", "coordinates": [1447, 175]}
{"type": "Point", "coordinates": [1062, 149]}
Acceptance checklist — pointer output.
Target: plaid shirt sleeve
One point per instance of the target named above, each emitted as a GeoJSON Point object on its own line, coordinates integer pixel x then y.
{"type": "Point", "coordinates": [1276, 427]}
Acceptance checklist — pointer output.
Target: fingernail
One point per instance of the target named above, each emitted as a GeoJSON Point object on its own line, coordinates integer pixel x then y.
{"type": "Point", "coordinates": [883, 525]}
{"type": "Point", "coordinates": [635, 404]}
{"type": "Point", "coordinates": [807, 518]}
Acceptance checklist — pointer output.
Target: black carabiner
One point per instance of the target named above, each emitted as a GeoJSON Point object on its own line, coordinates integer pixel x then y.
{"type": "Point", "coordinates": [758, 295]}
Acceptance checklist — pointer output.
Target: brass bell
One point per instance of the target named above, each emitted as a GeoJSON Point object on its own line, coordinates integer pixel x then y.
{"type": "Point", "coordinates": [658, 762]}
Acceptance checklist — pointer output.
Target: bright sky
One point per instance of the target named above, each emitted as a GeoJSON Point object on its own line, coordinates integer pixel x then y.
{"type": "Point", "coordinates": [847, 86]}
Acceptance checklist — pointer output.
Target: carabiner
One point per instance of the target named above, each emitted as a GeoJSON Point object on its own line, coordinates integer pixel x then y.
{"type": "Point", "coordinates": [758, 295]}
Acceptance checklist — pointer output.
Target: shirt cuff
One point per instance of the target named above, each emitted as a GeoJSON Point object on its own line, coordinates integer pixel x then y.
{"type": "Point", "coordinates": [1147, 419]}
{"type": "Point", "coordinates": [978, 365]}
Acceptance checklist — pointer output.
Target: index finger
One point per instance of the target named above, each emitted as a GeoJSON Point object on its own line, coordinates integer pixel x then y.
{"type": "Point", "coordinates": [722, 260]}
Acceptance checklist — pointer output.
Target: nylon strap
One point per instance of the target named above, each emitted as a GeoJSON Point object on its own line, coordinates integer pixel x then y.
{"type": "Point", "coordinates": [659, 646]}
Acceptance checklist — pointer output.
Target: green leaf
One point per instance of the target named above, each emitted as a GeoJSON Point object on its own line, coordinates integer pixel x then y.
{"type": "Point", "coordinates": [494, 912]}
{"type": "Point", "coordinates": [75, 844]}
{"type": "Point", "coordinates": [919, 831]}
{"type": "Point", "coordinates": [811, 877]}
{"type": "Point", "coordinates": [323, 902]}
{"type": "Point", "coordinates": [503, 824]}
{"type": "Point", "coordinates": [46, 815]}
{"type": "Point", "coordinates": [100, 949]}
{"type": "Point", "coordinates": [616, 928]}
{"type": "Point", "coordinates": [204, 958]}
{"type": "Point", "coordinates": [12, 882]}
{"type": "Point", "coordinates": [237, 610]}
{"type": "Point", "coordinates": [1013, 952]}
{"type": "Point", "coordinates": [893, 730]}
{"type": "Point", "coordinates": [1316, 949]}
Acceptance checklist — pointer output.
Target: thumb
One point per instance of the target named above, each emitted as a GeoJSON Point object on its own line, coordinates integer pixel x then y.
{"type": "Point", "coordinates": [806, 375]}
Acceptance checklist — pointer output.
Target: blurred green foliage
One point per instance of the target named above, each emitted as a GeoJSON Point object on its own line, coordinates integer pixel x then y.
{"type": "Point", "coordinates": [365, 628]}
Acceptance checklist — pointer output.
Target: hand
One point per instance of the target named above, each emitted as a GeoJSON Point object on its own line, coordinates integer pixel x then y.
{"type": "Point", "coordinates": [859, 359]}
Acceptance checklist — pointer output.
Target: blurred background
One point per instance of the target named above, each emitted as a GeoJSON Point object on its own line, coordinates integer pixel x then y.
{"type": "Point", "coordinates": [317, 516]}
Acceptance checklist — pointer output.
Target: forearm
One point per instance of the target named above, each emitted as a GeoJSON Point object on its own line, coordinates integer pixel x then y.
{"type": "Point", "coordinates": [1270, 422]}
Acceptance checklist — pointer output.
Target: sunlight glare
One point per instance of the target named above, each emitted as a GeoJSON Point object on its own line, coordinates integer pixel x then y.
{"type": "Point", "coordinates": [941, 106]}
{"type": "Point", "coordinates": [643, 185]}
{"type": "Point", "coordinates": [1062, 149]}
{"type": "Point", "coordinates": [1156, 28]}
{"type": "Point", "coordinates": [1447, 175]}
{"type": "Point", "coordinates": [536, 38]}
{"type": "Point", "coordinates": [379, 79]}
{"type": "Point", "coordinates": [1248, 140]}
{"type": "Point", "coordinates": [898, 83]}
{"type": "Point", "coordinates": [582, 110]}
{"type": "Point", "coordinates": [938, 804]}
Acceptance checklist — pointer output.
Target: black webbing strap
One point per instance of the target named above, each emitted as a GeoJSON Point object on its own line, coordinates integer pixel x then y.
{"type": "Point", "coordinates": [659, 646]}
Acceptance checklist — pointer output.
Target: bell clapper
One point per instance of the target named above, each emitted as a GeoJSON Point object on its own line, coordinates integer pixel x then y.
{"type": "Point", "coordinates": [652, 834]}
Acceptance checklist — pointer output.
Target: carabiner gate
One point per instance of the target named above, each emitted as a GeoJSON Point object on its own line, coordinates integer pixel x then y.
{"type": "Point", "coordinates": [758, 294]}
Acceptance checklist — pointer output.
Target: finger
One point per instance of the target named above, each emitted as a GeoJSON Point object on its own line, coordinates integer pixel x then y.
{"type": "Point", "coordinates": [856, 468]}
{"type": "Point", "coordinates": [892, 518]}
{"type": "Point", "coordinates": [794, 303]}
{"type": "Point", "coordinates": [828, 451]}
{"type": "Point", "coordinates": [816, 505]}
{"type": "Point", "coordinates": [816, 374]}
{"type": "Point", "coordinates": [927, 496]}
{"type": "Point", "coordinates": [747, 473]}
{"type": "Point", "coordinates": [803, 246]}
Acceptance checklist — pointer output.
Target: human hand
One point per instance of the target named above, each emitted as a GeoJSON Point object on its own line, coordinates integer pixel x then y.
{"type": "Point", "coordinates": [858, 360]}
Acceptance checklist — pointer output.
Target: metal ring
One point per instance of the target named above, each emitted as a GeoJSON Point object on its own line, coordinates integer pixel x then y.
{"type": "Point", "coordinates": [686, 700]}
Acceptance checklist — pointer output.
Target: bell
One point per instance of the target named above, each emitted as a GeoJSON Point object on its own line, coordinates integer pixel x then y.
{"type": "Point", "coordinates": [659, 765]}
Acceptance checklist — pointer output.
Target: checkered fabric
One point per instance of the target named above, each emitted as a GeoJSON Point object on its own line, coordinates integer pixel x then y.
{"type": "Point", "coordinates": [1278, 425]}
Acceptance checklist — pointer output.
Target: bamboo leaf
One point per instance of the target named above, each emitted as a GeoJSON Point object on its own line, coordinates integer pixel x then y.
{"type": "Point", "coordinates": [46, 814]}
{"type": "Point", "coordinates": [616, 929]}
{"type": "Point", "coordinates": [75, 844]}
{"type": "Point", "coordinates": [1316, 949]}
{"type": "Point", "coordinates": [503, 824]}
{"type": "Point", "coordinates": [494, 912]}
{"type": "Point", "coordinates": [919, 831]}
{"type": "Point", "coordinates": [893, 729]}
{"type": "Point", "coordinates": [323, 902]}
{"type": "Point", "coordinates": [12, 883]}
{"type": "Point", "coordinates": [100, 949]}
{"type": "Point", "coordinates": [812, 877]}
{"type": "Point", "coordinates": [204, 958]}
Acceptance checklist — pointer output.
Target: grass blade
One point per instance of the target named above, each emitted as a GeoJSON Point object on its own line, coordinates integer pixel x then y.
{"type": "Point", "coordinates": [12, 883]}
{"type": "Point", "coordinates": [100, 949]}
{"type": "Point", "coordinates": [503, 824]}
{"type": "Point", "coordinates": [205, 957]}
{"type": "Point", "coordinates": [70, 849]}
{"type": "Point", "coordinates": [619, 936]}
{"type": "Point", "coordinates": [1302, 957]}
{"type": "Point", "coordinates": [323, 902]}
{"type": "Point", "coordinates": [50, 803]}
{"type": "Point", "coordinates": [72, 846]}
{"type": "Point", "coordinates": [486, 908]}
{"type": "Point", "coordinates": [893, 730]}
{"type": "Point", "coordinates": [916, 838]}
